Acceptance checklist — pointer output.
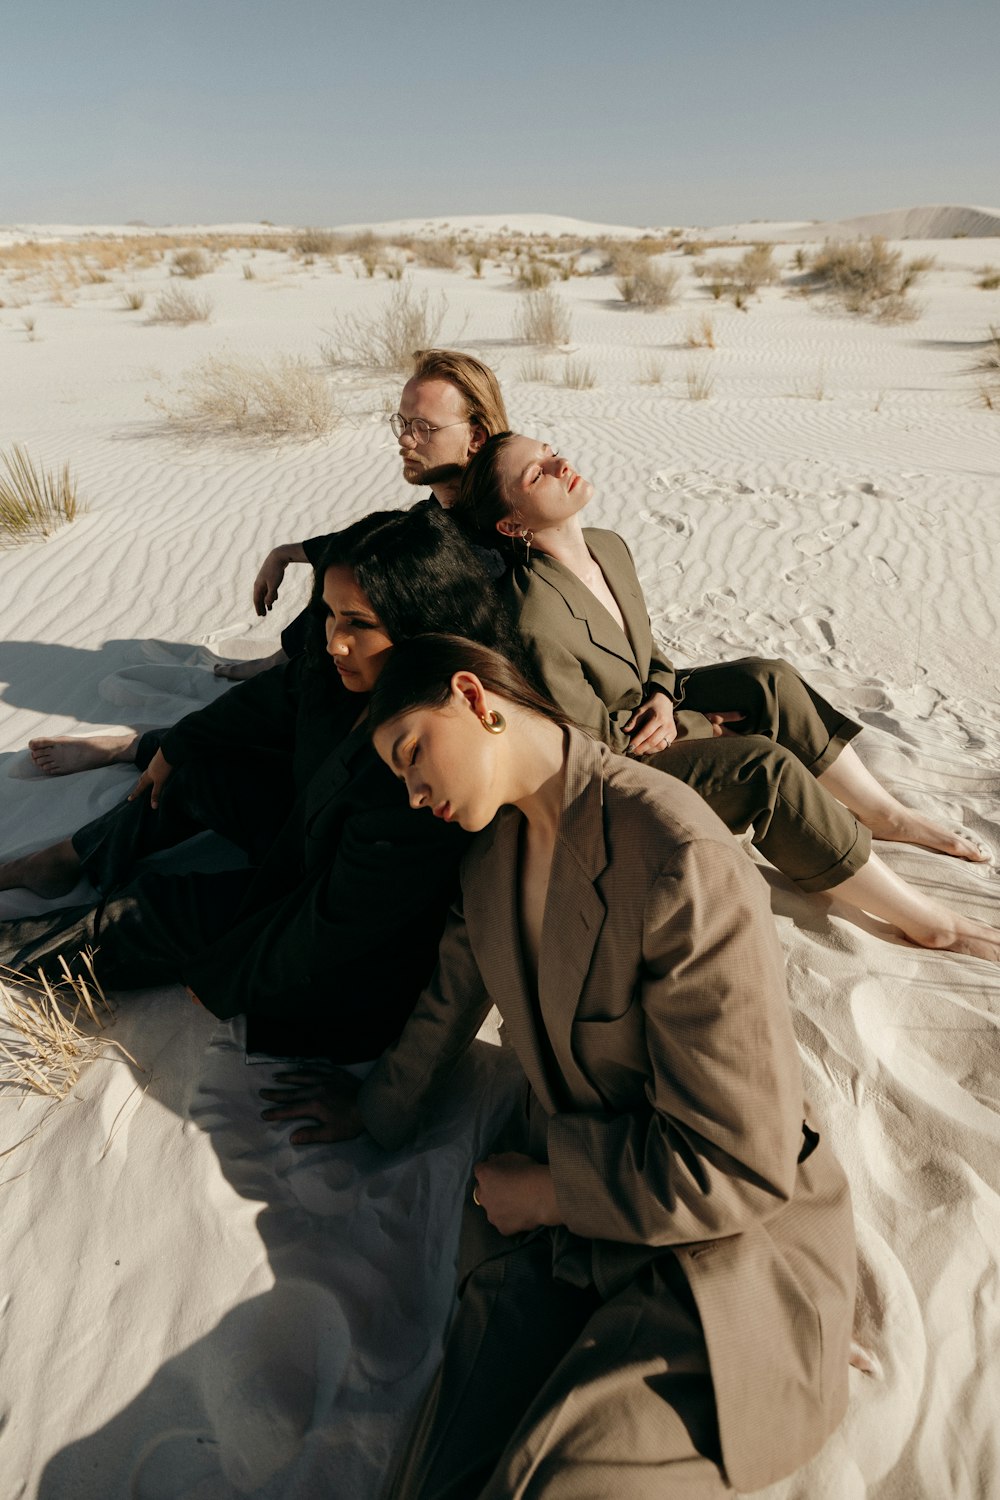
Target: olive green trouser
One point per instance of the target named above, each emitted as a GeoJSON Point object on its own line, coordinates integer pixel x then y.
{"type": "Point", "coordinates": [764, 776]}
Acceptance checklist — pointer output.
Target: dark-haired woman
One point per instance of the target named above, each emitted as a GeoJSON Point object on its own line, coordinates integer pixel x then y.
{"type": "Point", "coordinates": [656, 1273]}
{"type": "Point", "coordinates": [282, 766]}
{"type": "Point", "coordinates": [751, 736]}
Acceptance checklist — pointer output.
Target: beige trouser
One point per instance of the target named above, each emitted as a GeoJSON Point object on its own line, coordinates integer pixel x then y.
{"type": "Point", "coordinates": [547, 1390]}
{"type": "Point", "coordinates": [764, 777]}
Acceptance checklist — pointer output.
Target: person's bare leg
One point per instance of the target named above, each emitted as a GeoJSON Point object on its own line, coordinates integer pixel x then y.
{"type": "Point", "coordinates": [61, 754]}
{"type": "Point", "coordinates": [241, 671]}
{"type": "Point", "coordinates": [876, 890]}
{"type": "Point", "coordinates": [870, 802]}
{"type": "Point", "coordinates": [48, 872]}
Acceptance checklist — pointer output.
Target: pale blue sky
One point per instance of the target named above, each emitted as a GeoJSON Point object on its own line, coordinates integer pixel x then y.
{"type": "Point", "coordinates": [644, 111]}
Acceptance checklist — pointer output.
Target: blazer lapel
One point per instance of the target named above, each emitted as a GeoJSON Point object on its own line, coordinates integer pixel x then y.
{"type": "Point", "coordinates": [574, 910]}
{"type": "Point", "coordinates": [616, 565]}
{"type": "Point", "coordinates": [489, 892]}
{"type": "Point", "coordinates": [604, 631]}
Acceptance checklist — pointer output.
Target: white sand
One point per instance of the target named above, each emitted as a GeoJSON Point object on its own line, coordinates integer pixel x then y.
{"type": "Point", "coordinates": [190, 1307]}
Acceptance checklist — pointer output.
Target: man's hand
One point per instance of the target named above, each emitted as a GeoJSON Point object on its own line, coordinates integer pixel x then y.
{"type": "Point", "coordinates": [322, 1093]}
{"type": "Point", "coordinates": [652, 726]}
{"type": "Point", "coordinates": [155, 777]}
{"type": "Point", "coordinates": [516, 1192]}
{"type": "Point", "coordinates": [272, 571]}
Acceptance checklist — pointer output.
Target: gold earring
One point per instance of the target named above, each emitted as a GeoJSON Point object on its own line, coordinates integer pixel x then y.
{"type": "Point", "coordinates": [494, 722]}
{"type": "Point", "coordinates": [527, 537]}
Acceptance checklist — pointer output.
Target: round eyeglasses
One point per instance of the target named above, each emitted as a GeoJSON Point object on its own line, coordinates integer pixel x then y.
{"type": "Point", "coordinates": [418, 427]}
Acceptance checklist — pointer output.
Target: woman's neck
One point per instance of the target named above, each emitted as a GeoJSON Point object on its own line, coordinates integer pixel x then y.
{"type": "Point", "coordinates": [538, 772]}
{"type": "Point", "coordinates": [567, 544]}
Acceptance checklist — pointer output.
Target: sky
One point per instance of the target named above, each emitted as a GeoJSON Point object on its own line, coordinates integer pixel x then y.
{"type": "Point", "coordinates": [646, 112]}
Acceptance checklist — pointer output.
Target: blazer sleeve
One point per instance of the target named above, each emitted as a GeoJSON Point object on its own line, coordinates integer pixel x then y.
{"type": "Point", "coordinates": [662, 674]}
{"type": "Point", "coordinates": [260, 712]}
{"type": "Point", "coordinates": [315, 546]}
{"type": "Point", "coordinates": [328, 943]}
{"type": "Point", "coordinates": [443, 1025]}
{"type": "Point", "coordinates": [714, 1145]}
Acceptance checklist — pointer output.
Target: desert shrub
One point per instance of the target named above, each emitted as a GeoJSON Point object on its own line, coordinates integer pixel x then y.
{"type": "Point", "coordinates": [29, 323]}
{"type": "Point", "coordinates": [180, 307]}
{"type": "Point", "coordinates": [989, 359]}
{"type": "Point", "coordinates": [534, 370]}
{"type": "Point", "coordinates": [317, 242]}
{"type": "Point", "coordinates": [440, 255]}
{"type": "Point", "coordinates": [756, 268]}
{"type": "Point", "coordinates": [386, 340]}
{"type": "Point", "coordinates": [249, 274]}
{"type": "Point", "coordinates": [651, 372]}
{"type": "Point", "coordinates": [534, 275]}
{"type": "Point", "coordinates": [542, 318]}
{"type": "Point", "coordinates": [866, 276]}
{"type": "Point", "coordinates": [51, 1031]}
{"type": "Point", "coordinates": [988, 278]}
{"type": "Point", "coordinates": [253, 398]}
{"type": "Point", "coordinates": [648, 286]}
{"type": "Point", "coordinates": [34, 502]}
{"type": "Point", "coordinates": [700, 380]}
{"type": "Point", "coordinates": [133, 300]}
{"type": "Point", "coordinates": [701, 335]}
{"type": "Point", "coordinates": [192, 262]}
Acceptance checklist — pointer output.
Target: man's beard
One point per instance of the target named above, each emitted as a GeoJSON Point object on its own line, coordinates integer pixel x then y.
{"type": "Point", "coordinates": [443, 474]}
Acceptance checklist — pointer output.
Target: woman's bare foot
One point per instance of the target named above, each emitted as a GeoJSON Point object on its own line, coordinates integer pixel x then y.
{"type": "Point", "coordinates": [925, 922]}
{"type": "Point", "coordinates": [242, 671]}
{"type": "Point", "coordinates": [48, 872]}
{"type": "Point", "coordinates": [962, 935]}
{"type": "Point", "coordinates": [910, 827]}
{"type": "Point", "coordinates": [63, 754]}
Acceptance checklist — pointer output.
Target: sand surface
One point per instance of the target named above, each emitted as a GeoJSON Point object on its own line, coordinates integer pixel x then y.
{"type": "Point", "coordinates": [189, 1307]}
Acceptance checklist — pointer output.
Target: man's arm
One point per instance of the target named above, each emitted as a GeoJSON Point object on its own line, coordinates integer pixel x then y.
{"type": "Point", "coordinates": [272, 571]}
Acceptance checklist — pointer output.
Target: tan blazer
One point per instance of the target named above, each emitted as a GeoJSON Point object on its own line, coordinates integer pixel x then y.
{"type": "Point", "coordinates": [596, 673]}
{"type": "Point", "coordinates": [664, 1072]}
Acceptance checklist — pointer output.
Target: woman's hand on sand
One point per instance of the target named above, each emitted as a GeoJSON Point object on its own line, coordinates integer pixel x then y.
{"type": "Point", "coordinates": [652, 727]}
{"type": "Point", "coordinates": [516, 1192]}
{"type": "Point", "coordinates": [324, 1094]}
{"type": "Point", "coordinates": [155, 777]}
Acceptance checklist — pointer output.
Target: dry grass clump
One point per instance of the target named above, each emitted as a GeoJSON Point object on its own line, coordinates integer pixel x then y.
{"type": "Point", "coordinates": [988, 278]}
{"type": "Point", "coordinates": [133, 301]}
{"type": "Point", "coordinates": [989, 363]}
{"type": "Point", "coordinates": [34, 502]}
{"type": "Point", "coordinates": [318, 242]}
{"type": "Point", "coordinates": [534, 275]}
{"type": "Point", "coordinates": [191, 263]}
{"type": "Point", "coordinates": [651, 372]}
{"type": "Point", "coordinates": [867, 277]}
{"type": "Point", "coordinates": [577, 375]}
{"type": "Point", "coordinates": [386, 340]}
{"type": "Point", "coordinates": [439, 255]}
{"type": "Point", "coordinates": [701, 335]}
{"type": "Point", "coordinates": [542, 318]}
{"type": "Point", "coordinates": [756, 268]}
{"type": "Point", "coordinates": [255, 399]}
{"type": "Point", "coordinates": [700, 380]}
{"type": "Point", "coordinates": [47, 1031]}
{"type": "Point", "coordinates": [181, 307]}
{"type": "Point", "coordinates": [648, 286]}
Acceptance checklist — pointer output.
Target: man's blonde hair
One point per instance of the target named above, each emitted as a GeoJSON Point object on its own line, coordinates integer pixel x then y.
{"type": "Point", "coordinates": [476, 382]}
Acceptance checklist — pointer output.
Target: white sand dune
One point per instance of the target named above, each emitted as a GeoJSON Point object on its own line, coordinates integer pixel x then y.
{"type": "Point", "coordinates": [190, 1308]}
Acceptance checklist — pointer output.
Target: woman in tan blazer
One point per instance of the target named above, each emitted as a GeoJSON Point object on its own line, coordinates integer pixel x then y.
{"type": "Point", "coordinates": [657, 1264]}
{"type": "Point", "coordinates": [763, 748]}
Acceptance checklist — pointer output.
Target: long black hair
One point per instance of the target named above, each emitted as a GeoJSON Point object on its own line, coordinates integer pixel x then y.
{"type": "Point", "coordinates": [419, 574]}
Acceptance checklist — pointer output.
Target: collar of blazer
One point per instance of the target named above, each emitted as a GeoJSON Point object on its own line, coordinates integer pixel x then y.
{"type": "Point", "coordinates": [347, 757]}
{"type": "Point", "coordinates": [611, 553]}
{"type": "Point", "coordinates": [574, 916]}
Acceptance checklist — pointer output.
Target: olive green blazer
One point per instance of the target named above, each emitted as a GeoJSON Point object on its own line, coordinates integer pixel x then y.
{"type": "Point", "coordinates": [663, 1071]}
{"type": "Point", "coordinates": [597, 674]}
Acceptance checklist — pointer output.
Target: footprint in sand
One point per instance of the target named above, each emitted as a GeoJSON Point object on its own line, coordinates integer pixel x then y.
{"type": "Point", "coordinates": [922, 517]}
{"type": "Point", "coordinates": [814, 630]}
{"type": "Point", "coordinates": [763, 522]}
{"type": "Point", "coordinates": [723, 600]}
{"type": "Point", "coordinates": [882, 572]}
{"type": "Point", "coordinates": [870, 699]}
{"type": "Point", "coordinates": [816, 543]}
{"type": "Point", "coordinates": [680, 525]}
{"type": "Point", "coordinates": [803, 572]}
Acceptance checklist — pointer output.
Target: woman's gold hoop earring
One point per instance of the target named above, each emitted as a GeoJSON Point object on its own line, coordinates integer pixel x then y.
{"type": "Point", "coordinates": [494, 722]}
{"type": "Point", "coordinates": [527, 537]}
